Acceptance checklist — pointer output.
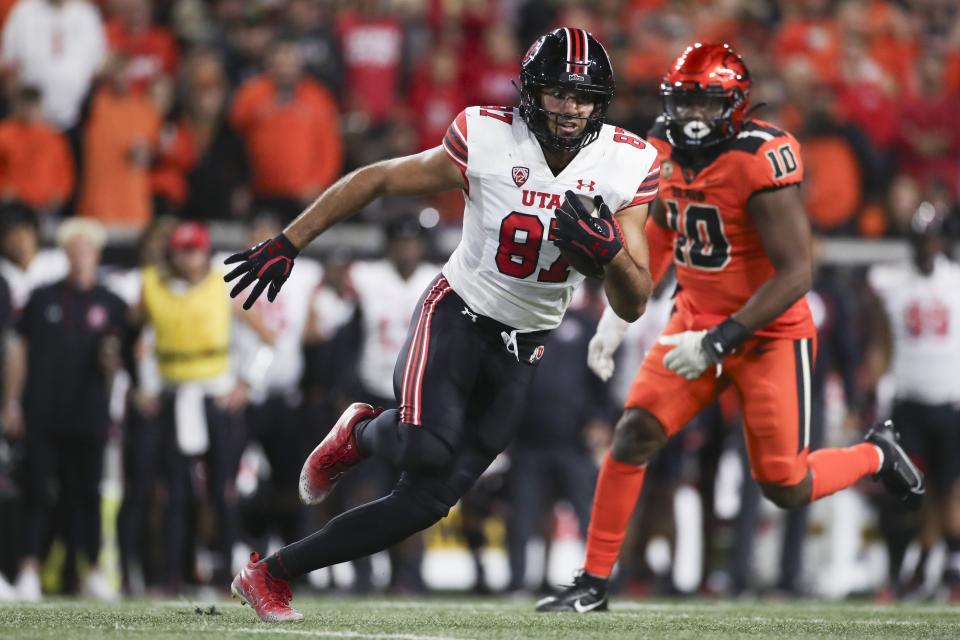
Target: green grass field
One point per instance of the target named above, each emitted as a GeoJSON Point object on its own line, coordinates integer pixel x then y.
{"type": "Point", "coordinates": [488, 619]}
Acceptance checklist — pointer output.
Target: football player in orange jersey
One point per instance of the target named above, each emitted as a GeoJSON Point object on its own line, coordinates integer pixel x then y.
{"type": "Point", "coordinates": [730, 213]}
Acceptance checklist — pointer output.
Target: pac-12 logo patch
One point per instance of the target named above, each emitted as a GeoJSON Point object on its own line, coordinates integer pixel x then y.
{"type": "Point", "coordinates": [537, 354]}
{"type": "Point", "coordinates": [666, 170]}
{"type": "Point", "coordinates": [520, 175]}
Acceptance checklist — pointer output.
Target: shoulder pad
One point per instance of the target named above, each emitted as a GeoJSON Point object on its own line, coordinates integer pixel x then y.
{"type": "Point", "coordinates": [754, 135]}
{"type": "Point", "coordinates": [658, 131]}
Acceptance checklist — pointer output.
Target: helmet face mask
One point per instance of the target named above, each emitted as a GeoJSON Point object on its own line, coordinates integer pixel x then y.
{"type": "Point", "coordinates": [698, 118]}
{"type": "Point", "coordinates": [545, 123]}
{"type": "Point", "coordinates": [565, 60]}
{"type": "Point", "coordinates": [705, 96]}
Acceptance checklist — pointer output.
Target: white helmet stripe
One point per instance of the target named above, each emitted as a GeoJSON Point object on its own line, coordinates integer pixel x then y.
{"type": "Point", "coordinates": [586, 50]}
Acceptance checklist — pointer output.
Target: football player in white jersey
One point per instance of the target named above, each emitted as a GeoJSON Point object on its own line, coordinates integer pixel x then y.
{"type": "Point", "coordinates": [920, 309]}
{"type": "Point", "coordinates": [387, 292]}
{"type": "Point", "coordinates": [480, 326]}
{"type": "Point", "coordinates": [22, 263]}
{"type": "Point", "coordinates": [273, 364]}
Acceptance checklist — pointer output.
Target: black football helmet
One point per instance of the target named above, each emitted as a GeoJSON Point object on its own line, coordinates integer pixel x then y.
{"type": "Point", "coordinates": [572, 59]}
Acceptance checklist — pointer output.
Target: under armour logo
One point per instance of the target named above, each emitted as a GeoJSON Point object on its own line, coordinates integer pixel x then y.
{"type": "Point", "coordinates": [588, 185]}
{"type": "Point", "coordinates": [470, 314]}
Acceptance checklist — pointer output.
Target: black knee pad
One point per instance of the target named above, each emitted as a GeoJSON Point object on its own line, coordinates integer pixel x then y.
{"type": "Point", "coordinates": [421, 449]}
{"type": "Point", "coordinates": [428, 500]}
{"type": "Point", "coordinates": [637, 437]}
{"type": "Point", "coordinates": [786, 497]}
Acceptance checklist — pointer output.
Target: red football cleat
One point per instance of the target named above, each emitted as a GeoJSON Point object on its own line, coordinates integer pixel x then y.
{"type": "Point", "coordinates": [335, 455]}
{"type": "Point", "coordinates": [269, 596]}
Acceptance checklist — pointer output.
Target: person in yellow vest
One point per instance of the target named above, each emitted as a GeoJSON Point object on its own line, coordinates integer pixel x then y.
{"type": "Point", "coordinates": [199, 395]}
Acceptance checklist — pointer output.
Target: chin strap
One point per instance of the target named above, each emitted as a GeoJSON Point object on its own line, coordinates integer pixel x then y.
{"type": "Point", "coordinates": [754, 108]}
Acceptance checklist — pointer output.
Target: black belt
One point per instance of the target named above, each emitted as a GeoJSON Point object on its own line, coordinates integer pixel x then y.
{"type": "Point", "coordinates": [186, 356]}
{"type": "Point", "coordinates": [524, 345]}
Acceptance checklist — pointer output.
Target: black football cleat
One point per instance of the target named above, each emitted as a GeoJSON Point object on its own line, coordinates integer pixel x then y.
{"type": "Point", "coordinates": [898, 473]}
{"type": "Point", "coordinates": [586, 594]}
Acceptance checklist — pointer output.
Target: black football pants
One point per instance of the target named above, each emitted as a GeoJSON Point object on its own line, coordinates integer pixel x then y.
{"type": "Point", "coordinates": [460, 381]}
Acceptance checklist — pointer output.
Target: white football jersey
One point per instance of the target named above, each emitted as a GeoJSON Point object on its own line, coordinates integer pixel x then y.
{"type": "Point", "coordinates": [286, 317]}
{"type": "Point", "coordinates": [331, 311]}
{"type": "Point", "coordinates": [387, 303]}
{"type": "Point", "coordinates": [47, 267]}
{"type": "Point", "coordinates": [924, 314]}
{"type": "Point", "coordinates": [128, 284]}
{"type": "Point", "coordinates": [506, 266]}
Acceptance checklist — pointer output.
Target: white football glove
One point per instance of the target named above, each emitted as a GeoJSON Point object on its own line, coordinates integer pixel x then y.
{"type": "Point", "coordinates": [605, 343]}
{"type": "Point", "coordinates": [687, 358]}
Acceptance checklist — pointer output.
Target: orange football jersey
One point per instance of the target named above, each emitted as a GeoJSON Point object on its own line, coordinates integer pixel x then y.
{"type": "Point", "coordinates": [717, 251]}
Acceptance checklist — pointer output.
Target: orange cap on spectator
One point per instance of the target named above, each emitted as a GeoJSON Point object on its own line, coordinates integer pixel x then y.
{"type": "Point", "coordinates": [190, 235]}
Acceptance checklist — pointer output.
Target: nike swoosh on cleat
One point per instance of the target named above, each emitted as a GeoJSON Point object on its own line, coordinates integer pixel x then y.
{"type": "Point", "coordinates": [583, 608]}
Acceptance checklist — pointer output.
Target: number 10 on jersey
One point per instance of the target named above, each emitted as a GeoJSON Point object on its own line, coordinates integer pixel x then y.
{"type": "Point", "coordinates": [701, 240]}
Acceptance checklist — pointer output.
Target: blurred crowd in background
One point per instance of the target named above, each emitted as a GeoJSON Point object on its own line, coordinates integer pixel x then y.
{"type": "Point", "coordinates": [160, 117]}
{"type": "Point", "coordinates": [228, 108]}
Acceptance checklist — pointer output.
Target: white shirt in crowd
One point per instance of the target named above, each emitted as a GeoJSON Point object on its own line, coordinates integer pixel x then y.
{"type": "Point", "coordinates": [331, 311]}
{"type": "Point", "coordinates": [58, 49]}
{"type": "Point", "coordinates": [386, 303]}
{"type": "Point", "coordinates": [47, 267]}
{"type": "Point", "coordinates": [924, 315]}
{"type": "Point", "coordinates": [286, 317]}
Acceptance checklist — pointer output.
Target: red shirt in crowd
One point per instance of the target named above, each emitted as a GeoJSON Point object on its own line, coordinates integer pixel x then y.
{"type": "Point", "coordinates": [818, 41]}
{"type": "Point", "coordinates": [434, 107]}
{"type": "Point", "coordinates": [372, 55]}
{"type": "Point", "coordinates": [175, 158]}
{"type": "Point", "coordinates": [35, 163]}
{"type": "Point", "coordinates": [871, 108]}
{"type": "Point", "coordinates": [929, 140]}
{"type": "Point", "coordinates": [151, 52]}
{"type": "Point", "coordinates": [494, 84]}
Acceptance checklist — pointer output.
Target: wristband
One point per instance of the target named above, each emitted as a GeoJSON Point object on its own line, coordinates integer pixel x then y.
{"type": "Point", "coordinates": [724, 339]}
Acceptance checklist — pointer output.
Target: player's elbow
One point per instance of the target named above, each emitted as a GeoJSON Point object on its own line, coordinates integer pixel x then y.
{"type": "Point", "coordinates": [373, 179]}
{"type": "Point", "coordinates": [796, 280]}
{"type": "Point", "coordinates": [630, 311]}
{"type": "Point", "coordinates": [802, 280]}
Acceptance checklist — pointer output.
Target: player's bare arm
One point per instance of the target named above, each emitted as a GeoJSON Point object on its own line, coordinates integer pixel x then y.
{"type": "Point", "coordinates": [658, 213]}
{"type": "Point", "coordinates": [269, 263]}
{"type": "Point", "coordinates": [15, 374]}
{"type": "Point", "coordinates": [627, 281]}
{"type": "Point", "coordinates": [781, 221]}
{"type": "Point", "coordinates": [879, 348]}
{"type": "Point", "coordinates": [430, 171]}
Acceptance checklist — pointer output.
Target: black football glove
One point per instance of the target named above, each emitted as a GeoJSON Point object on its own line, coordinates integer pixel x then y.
{"type": "Point", "coordinates": [599, 238]}
{"type": "Point", "coordinates": [269, 262]}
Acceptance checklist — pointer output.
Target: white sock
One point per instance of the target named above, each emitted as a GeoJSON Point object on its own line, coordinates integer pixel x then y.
{"type": "Point", "coordinates": [880, 454]}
